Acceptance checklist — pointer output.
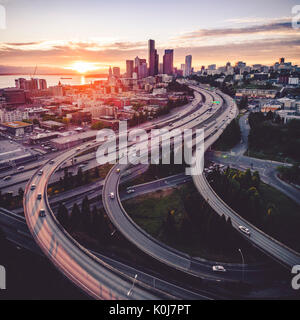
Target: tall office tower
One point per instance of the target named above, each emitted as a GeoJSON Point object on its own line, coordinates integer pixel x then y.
{"type": "Point", "coordinates": [129, 68]}
{"type": "Point", "coordinates": [281, 60]}
{"type": "Point", "coordinates": [152, 55]}
{"type": "Point", "coordinates": [137, 62]}
{"type": "Point", "coordinates": [43, 84]}
{"type": "Point", "coordinates": [116, 72]}
{"type": "Point", "coordinates": [188, 66]}
{"type": "Point", "coordinates": [168, 62]}
{"type": "Point", "coordinates": [156, 63]}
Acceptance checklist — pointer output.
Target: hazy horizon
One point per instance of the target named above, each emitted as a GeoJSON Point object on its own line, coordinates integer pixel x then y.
{"type": "Point", "coordinates": [55, 35]}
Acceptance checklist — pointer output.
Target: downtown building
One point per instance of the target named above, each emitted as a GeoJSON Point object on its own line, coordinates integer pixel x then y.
{"type": "Point", "coordinates": [188, 66]}
{"type": "Point", "coordinates": [129, 68]}
{"type": "Point", "coordinates": [153, 58]}
{"type": "Point", "coordinates": [168, 62]}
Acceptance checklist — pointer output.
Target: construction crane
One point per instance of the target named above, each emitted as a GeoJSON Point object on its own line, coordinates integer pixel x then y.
{"type": "Point", "coordinates": [35, 69]}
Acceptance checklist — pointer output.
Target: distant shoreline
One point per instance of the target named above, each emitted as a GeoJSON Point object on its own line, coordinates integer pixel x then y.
{"type": "Point", "coordinates": [57, 74]}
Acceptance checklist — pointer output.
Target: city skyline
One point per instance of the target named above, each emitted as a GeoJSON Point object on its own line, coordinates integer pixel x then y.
{"type": "Point", "coordinates": [250, 32]}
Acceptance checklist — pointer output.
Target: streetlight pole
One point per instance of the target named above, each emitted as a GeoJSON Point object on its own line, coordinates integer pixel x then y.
{"type": "Point", "coordinates": [240, 251]}
{"type": "Point", "coordinates": [131, 289]}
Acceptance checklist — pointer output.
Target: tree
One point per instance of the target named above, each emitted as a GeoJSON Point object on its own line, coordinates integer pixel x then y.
{"type": "Point", "coordinates": [96, 172]}
{"type": "Point", "coordinates": [169, 226]}
{"type": "Point", "coordinates": [63, 216]}
{"type": "Point", "coordinates": [243, 104]}
{"type": "Point", "coordinates": [86, 213]}
{"type": "Point", "coordinates": [75, 219]}
{"type": "Point", "coordinates": [98, 125]}
{"type": "Point", "coordinates": [256, 179]}
{"type": "Point", "coordinates": [21, 193]}
{"type": "Point", "coordinates": [79, 177]}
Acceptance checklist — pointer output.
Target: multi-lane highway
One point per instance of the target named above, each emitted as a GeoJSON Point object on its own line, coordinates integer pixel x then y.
{"type": "Point", "coordinates": [94, 275]}
{"type": "Point", "coordinates": [90, 273]}
{"type": "Point", "coordinates": [16, 231]}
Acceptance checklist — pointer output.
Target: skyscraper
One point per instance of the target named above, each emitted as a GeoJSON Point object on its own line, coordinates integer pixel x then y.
{"type": "Point", "coordinates": [129, 68]}
{"type": "Point", "coordinates": [168, 62]}
{"type": "Point", "coordinates": [136, 62]}
{"type": "Point", "coordinates": [153, 58]}
{"type": "Point", "coordinates": [156, 64]}
{"type": "Point", "coordinates": [116, 72]}
{"type": "Point", "coordinates": [188, 66]}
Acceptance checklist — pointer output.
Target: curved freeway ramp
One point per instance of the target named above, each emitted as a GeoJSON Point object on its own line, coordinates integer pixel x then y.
{"type": "Point", "coordinates": [91, 274]}
{"type": "Point", "coordinates": [153, 247]}
{"type": "Point", "coordinates": [270, 246]}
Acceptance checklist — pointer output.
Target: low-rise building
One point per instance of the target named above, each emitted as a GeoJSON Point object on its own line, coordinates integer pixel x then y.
{"type": "Point", "coordinates": [52, 125]}
{"type": "Point", "coordinates": [255, 93]}
{"type": "Point", "coordinates": [72, 140]}
{"type": "Point", "coordinates": [17, 128]}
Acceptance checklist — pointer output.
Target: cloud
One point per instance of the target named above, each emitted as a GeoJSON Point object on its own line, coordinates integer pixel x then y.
{"type": "Point", "coordinates": [256, 29]}
{"type": "Point", "coordinates": [255, 43]}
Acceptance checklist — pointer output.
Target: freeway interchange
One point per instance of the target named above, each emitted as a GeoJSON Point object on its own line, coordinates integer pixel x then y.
{"type": "Point", "coordinates": [97, 277]}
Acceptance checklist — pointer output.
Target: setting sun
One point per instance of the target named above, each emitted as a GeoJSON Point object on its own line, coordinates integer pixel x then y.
{"type": "Point", "coordinates": [83, 67]}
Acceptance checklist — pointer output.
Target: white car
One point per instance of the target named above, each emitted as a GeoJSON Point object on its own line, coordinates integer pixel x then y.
{"type": "Point", "coordinates": [33, 187]}
{"type": "Point", "coordinates": [112, 195]}
{"type": "Point", "coordinates": [21, 168]}
{"type": "Point", "coordinates": [40, 173]}
{"type": "Point", "coordinates": [130, 191]}
{"type": "Point", "coordinates": [219, 269]}
{"type": "Point", "coordinates": [7, 178]}
{"type": "Point", "coordinates": [245, 230]}
{"type": "Point", "coordinates": [118, 170]}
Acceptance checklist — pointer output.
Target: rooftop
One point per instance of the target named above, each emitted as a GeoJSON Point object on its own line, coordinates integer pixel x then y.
{"type": "Point", "coordinates": [53, 123]}
{"type": "Point", "coordinates": [16, 124]}
{"type": "Point", "coordinates": [75, 137]}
